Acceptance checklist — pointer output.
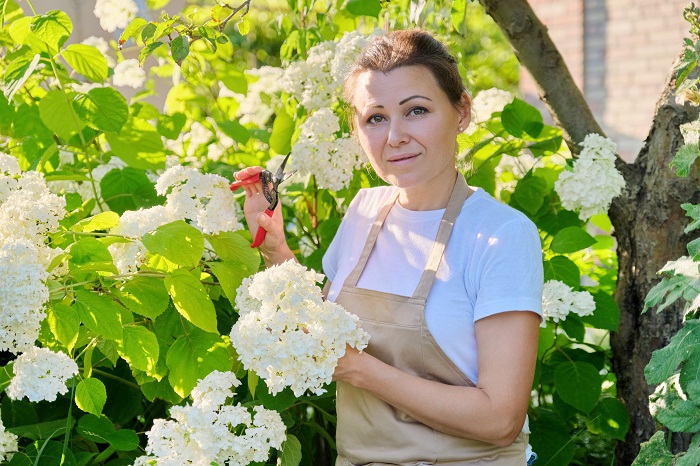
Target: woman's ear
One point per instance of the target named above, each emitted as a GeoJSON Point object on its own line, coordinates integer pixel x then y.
{"type": "Point", "coordinates": [465, 110]}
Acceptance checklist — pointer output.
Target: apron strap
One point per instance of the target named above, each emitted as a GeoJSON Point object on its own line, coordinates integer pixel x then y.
{"type": "Point", "coordinates": [371, 239]}
{"type": "Point", "coordinates": [460, 193]}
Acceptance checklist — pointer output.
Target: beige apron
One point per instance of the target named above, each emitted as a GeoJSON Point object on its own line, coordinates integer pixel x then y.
{"type": "Point", "coordinates": [372, 432]}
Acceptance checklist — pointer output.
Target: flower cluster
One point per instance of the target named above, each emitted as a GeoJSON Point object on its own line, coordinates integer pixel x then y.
{"type": "Point", "coordinates": [488, 102]}
{"type": "Point", "coordinates": [128, 73]}
{"type": "Point", "coordinates": [204, 199]}
{"type": "Point", "coordinates": [287, 333]}
{"type": "Point", "coordinates": [133, 224]}
{"type": "Point", "coordinates": [41, 374]}
{"type": "Point", "coordinates": [559, 299]}
{"type": "Point", "coordinates": [115, 14]}
{"type": "Point", "coordinates": [318, 151]}
{"type": "Point", "coordinates": [187, 145]}
{"type": "Point", "coordinates": [8, 443]}
{"type": "Point", "coordinates": [209, 431]}
{"type": "Point", "coordinates": [253, 107]}
{"type": "Point", "coordinates": [28, 214]}
{"type": "Point", "coordinates": [594, 181]}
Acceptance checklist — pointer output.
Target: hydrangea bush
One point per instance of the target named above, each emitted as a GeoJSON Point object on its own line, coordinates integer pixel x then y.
{"type": "Point", "coordinates": [131, 301]}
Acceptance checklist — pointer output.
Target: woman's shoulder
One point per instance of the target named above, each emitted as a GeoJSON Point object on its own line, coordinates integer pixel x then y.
{"type": "Point", "coordinates": [485, 210]}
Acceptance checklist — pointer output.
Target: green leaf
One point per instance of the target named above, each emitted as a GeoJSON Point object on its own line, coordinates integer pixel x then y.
{"type": "Point", "coordinates": [90, 255]}
{"type": "Point", "coordinates": [148, 50]}
{"type": "Point", "coordinates": [609, 418]}
{"type": "Point", "coordinates": [233, 246]}
{"type": "Point", "coordinates": [58, 116]}
{"type": "Point", "coordinates": [100, 222]}
{"type": "Point", "coordinates": [692, 456]}
{"type": "Point", "coordinates": [530, 193]}
{"type": "Point", "coordinates": [17, 73]}
{"type": "Point", "coordinates": [457, 15]}
{"type": "Point", "coordinates": [235, 130]}
{"type": "Point", "coordinates": [666, 292]}
{"type": "Point", "coordinates": [146, 296]}
{"type": "Point", "coordinates": [551, 439]}
{"type": "Point", "coordinates": [64, 323]}
{"type": "Point", "coordinates": [683, 345]}
{"type": "Point", "coordinates": [243, 26]}
{"type": "Point", "coordinates": [679, 415]}
{"type": "Point", "coordinates": [53, 28]}
{"type": "Point", "coordinates": [364, 7]}
{"type": "Point", "coordinates": [554, 223]}
{"type": "Point", "coordinates": [578, 384]}
{"type": "Point", "coordinates": [103, 108]}
{"type": "Point", "coordinates": [128, 189]}
{"type": "Point", "coordinates": [692, 211]}
{"type": "Point", "coordinates": [171, 126]}
{"type": "Point", "coordinates": [282, 131]}
{"type": "Point", "coordinates": [607, 313]}
{"type": "Point", "coordinates": [91, 396]}
{"type": "Point", "coordinates": [177, 241]}
{"type": "Point", "coordinates": [180, 48]}
{"type": "Point", "coordinates": [88, 61]}
{"type": "Point", "coordinates": [101, 314]}
{"type": "Point", "coordinates": [95, 428]}
{"type": "Point", "coordinates": [290, 455]}
{"type": "Point", "coordinates": [193, 356]}
{"type": "Point", "coordinates": [139, 347]}
{"type": "Point", "coordinates": [230, 276]}
{"type": "Point", "coordinates": [138, 144]}
{"type": "Point", "coordinates": [132, 30]}
{"type": "Point", "coordinates": [571, 239]}
{"type": "Point", "coordinates": [124, 440]}
{"type": "Point", "coordinates": [685, 158]}
{"type": "Point", "coordinates": [521, 119]}
{"type": "Point", "coordinates": [191, 300]}
{"type": "Point", "coordinates": [50, 453]}
{"type": "Point", "coordinates": [562, 269]}
{"type": "Point", "coordinates": [43, 430]}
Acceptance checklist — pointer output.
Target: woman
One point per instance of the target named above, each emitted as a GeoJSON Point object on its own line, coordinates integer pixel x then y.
{"type": "Point", "coordinates": [447, 375]}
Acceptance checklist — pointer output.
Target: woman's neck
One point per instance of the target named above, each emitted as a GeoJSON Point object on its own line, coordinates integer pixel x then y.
{"type": "Point", "coordinates": [431, 196]}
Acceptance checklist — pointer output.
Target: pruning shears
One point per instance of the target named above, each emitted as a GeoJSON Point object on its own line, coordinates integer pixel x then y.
{"type": "Point", "coordinates": [270, 193]}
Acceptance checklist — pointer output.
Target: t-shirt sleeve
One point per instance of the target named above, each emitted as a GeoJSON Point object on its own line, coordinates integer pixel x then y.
{"type": "Point", "coordinates": [510, 274]}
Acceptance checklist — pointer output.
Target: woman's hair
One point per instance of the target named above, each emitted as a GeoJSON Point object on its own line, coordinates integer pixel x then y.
{"type": "Point", "coordinates": [408, 48]}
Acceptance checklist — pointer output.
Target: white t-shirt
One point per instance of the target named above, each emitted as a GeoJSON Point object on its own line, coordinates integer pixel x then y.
{"type": "Point", "coordinates": [492, 264]}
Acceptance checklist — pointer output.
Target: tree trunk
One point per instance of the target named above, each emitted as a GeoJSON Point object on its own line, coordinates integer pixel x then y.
{"type": "Point", "coordinates": [647, 216]}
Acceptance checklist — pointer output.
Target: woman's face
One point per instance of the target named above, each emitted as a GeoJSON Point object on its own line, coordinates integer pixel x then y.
{"type": "Point", "coordinates": [408, 127]}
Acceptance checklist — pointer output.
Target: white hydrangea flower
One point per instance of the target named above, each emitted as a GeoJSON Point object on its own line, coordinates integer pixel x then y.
{"type": "Point", "coordinates": [212, 432]}
{"type": "Point", "coordinates": [318, 151]}
{"type": "Point", "coordinates": [41, 374]}
{"type": "Point", "coordinates": [9, 165]}
{"type": "Point", "coordinates": [287, 333]}
{"type": "Point", "coordinates": [128, 257]}
{"type": "Point", "coordinates": [252, 108]}
{"type": "Point", "coordinates": [691, 132]}
{"type": "Point", "coordinates": [134, 224]}
{"type": "Point", "coordinates": [128, 73]}
{"type": "Point", "coordinates": [23, 294]}
{"type": "Point", "coordinates": [559, 299]}
{"type": "Point", "coordinates": [594, 181]}
{"type": "Point", "coordinates": [317, 82]}
{"type": "Point", "coordinates": [103, 46]}
{"type": "Point", "coordinates": [488, 102]}
{"type": "Point", "coordinates": [204, 199]}
{"type": "Point", "coordinates": [115, 14]}
{"type": "Point", "coordinates": [8, 443]}
{"type": "Point", "coordinates": [213, 390]}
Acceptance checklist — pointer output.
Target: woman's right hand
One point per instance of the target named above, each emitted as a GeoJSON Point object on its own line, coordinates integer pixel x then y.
{"type": "Point", "coordinates": [274, 248]}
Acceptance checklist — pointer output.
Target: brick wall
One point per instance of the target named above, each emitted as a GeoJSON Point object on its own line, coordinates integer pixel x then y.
{"type": "Point", "coordinates": [620, 53]}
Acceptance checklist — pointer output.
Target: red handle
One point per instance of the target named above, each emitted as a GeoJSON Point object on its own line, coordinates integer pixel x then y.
{"type": "Point", "coordinates": [250, 180]}
{"type": "Point", "coordinates": [260, 234]}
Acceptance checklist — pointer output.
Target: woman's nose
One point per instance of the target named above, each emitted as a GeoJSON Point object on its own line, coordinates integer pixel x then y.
{"type": "Point", "coordinates": [398, 133]}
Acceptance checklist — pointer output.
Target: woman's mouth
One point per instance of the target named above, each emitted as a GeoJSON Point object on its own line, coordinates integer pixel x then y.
{"type": "Point", "coordinates": [397, 159]}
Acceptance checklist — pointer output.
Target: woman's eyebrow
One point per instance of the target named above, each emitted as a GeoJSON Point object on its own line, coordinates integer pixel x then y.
{"type": "Point", "coordinates": [414, 97]}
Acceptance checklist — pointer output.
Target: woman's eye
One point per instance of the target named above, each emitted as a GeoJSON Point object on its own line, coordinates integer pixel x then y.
{"type": "Point", "coordinates": [418, 111]}
{"type": "Point", "coordinates": [374, 119]}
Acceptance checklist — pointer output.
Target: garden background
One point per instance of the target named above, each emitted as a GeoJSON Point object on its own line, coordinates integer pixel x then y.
{"type": "Point", "coordinates": [122, 250]}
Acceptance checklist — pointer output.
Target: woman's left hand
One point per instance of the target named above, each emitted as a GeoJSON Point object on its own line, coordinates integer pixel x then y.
{"type": "Point", "coordinates": [349, 366]}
